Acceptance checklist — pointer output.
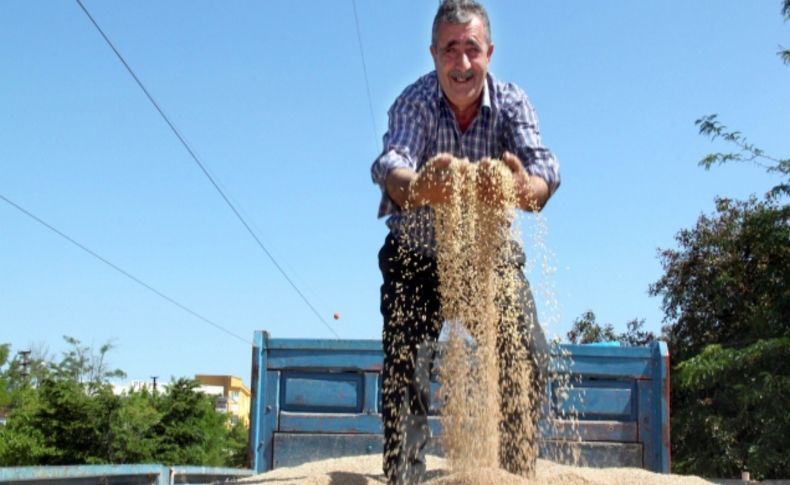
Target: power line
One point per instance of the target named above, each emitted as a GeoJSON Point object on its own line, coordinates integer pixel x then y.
{"type": "Point", "coordinates": [365, 74]}
{"type": "Point", "coordinates": [121, 270]}
{"type": "Point", "coordinates": [206, 172]}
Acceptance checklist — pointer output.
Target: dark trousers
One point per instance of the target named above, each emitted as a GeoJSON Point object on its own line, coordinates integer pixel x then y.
{"type": "Point", "coordinates": [410, 305]}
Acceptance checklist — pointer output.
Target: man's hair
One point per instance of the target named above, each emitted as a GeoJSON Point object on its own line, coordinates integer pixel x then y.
{"type": "Point", "coordinates": [459, 12]}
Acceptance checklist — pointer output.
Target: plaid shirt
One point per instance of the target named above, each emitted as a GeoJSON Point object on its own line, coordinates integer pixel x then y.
{"type": "Point", "coordinates": [422, 125]}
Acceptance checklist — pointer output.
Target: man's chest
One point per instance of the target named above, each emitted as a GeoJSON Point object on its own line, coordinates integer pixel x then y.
{"type": "Point", "coordinates": [480, 139]}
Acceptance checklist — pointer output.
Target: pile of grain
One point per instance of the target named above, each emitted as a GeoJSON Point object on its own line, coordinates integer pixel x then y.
{"type": "Point", "coordinates": [366, 470]}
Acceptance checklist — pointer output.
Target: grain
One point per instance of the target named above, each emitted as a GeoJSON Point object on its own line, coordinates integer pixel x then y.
{"type": "Point", "coordinates": [366, 470]}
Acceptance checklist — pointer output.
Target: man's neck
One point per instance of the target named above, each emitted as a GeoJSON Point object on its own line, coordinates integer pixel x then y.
{"type": "Point", "coordinates": [465, 116]}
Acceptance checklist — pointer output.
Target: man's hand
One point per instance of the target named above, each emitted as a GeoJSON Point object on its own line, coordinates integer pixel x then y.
{"type": "Point", "coordinates": [430, 187]}
{"type": "Point", "coordinates": [532, 192]}
{"type": "Point", "coordinates": [491, 183]}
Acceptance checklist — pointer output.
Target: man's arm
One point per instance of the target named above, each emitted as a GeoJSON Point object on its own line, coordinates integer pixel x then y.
{"type": "Point", "coordinates": [534, 166]}
{"type": "Point", "coordinates": [404, 143]}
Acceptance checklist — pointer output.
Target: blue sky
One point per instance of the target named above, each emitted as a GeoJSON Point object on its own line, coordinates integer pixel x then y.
{"type": "Point", "coordinates": [272, 98]}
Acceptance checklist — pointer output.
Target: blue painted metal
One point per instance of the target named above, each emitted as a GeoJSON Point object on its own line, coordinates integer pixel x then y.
{"type": "Point", "coordinates": [657, 455]}
{"type": "Point", "coordinates": [118, 474]}
{"type": "Point", "coordinates": [613, 431]}
{"type": "Point", "coordinates": [622, 396]}
{"type": "Point", "coordinates": [310, 391]}
{"type": "Point", "coordinates": [593, 454]}
{"type": "Point", "coordinates": [259, 366]}
{"type": "Point", "coordinates": [79, 474]}
{"type": "Point", "coordinates": [599, 402]}
{"type": "Point", "coordinates": [205, 474]}
{"type": "Point", "coordinates": [372, 393]}
{"type": "Point", "coordinates": [595, 399]}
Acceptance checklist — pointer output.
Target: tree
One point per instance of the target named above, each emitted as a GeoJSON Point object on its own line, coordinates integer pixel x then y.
{"type": "Point", "coordinates": [192, 431]}
{"type": "Point", "coordinates": [634, 336]}
{"type": "Point", "coordinates": [5, 398]}
{"type": "Point", "coordinates": [727, 307]}
{"type": "Point", "coordinates": [82, 364]}
{"type": "Point", "coordinates": [747, 152]}
{"type": "Point", "coordinates": [72, 417]}
{"type": "Point", "coordinates": [731, 414]}
{"type": "Point", "coordinates": [727, 282]}
{"type": "Point", "coordinates": [236, 445]}
{"type": "Point", "coordinates": [587, 330]}
{"type": "Point", "coordinates": [133, 439]}
{"type": "Point", "coordinates": [727, 313]}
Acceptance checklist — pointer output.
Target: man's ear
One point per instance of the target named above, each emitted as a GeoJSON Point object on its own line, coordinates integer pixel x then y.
{"type": "Point", "coordinates": [490, 51]}
{"type": "Point", "coordinates": [432, 50]}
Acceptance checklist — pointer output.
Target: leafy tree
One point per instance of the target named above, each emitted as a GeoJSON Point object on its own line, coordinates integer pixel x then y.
{"type": "Point", "coordinates": [85, 366]}
{"type": "Point", "coordinates": [133, 439]}
{"type": "Point", "coordinates": [5, 398]}
{"type": "Point", "coordinates": [634, 336]}
{"type": "Point", "coordinates": [73, 423]}
{"type": "Point", "coordinates": [725, 297]}
{"type": "Point", "coordinates": [733, 416]}
{"type": "Point", "coordinates": [587, 330]}
{"type": "Point", "coordinates": [747, 153]}
{"type": "Point", "coordinates": [21, 443]}
{"type": "Point", "coordinates": [192, 431]}
{"type": "Point", "coordinates": [72, 417]}
{"type": "Point", "coordinates": [727, 308]}
{"type": "Point", "coordinates": [236, 445]}
{"type": "Point", "coordinates": [727, 282]}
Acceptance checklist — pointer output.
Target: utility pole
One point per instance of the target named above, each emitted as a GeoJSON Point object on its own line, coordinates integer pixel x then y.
{"type": "Point", "coordinates": [154, 378]}
{"type": "Point", "coordinates": [25, 363]}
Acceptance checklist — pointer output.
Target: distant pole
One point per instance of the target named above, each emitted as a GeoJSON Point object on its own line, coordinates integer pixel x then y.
{"type": "Point", "coordinates": [25, 363]}
{"type": "Point", "coordinates": [154, 378]}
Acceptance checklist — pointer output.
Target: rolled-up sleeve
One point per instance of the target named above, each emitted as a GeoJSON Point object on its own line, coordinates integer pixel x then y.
{"type": "Point", "coordinates": [522, 138]}
{"type": "Point", "coordinates": [404, 144]}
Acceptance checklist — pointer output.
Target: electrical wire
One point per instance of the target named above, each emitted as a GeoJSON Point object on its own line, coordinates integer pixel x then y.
{"type": "Point", "coordinates": [365, 74]}
{"type": "Point", "coordinates": [122, 271]}
{"type": "Point", "coordinates": [206, 172]}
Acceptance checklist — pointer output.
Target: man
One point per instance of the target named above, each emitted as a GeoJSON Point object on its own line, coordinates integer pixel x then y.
{"type": "Point", "coordinates": [460, 111]}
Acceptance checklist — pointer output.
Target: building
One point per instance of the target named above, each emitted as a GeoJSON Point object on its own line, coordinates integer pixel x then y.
{"type": "Point", "coordinates": [233, 397]}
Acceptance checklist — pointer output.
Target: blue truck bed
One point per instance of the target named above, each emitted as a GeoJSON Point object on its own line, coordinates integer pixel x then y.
{"type": "Point", "coordinates": [315, 399]}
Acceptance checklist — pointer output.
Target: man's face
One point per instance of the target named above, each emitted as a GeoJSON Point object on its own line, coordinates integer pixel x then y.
{"type": "Point", "coordinates": [461, 56]}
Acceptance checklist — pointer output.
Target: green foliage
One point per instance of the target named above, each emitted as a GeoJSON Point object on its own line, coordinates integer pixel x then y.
{"type": "Point", "coordinates": [22, 444]}
{"type": "Point", "coordinates": [725, 299]}
{"type": "Point", "coordinates": [733, 414]}
{"type": "Point", "coordinates": [133, 440]}
{"type": "Point", "coordinates": [71, 416]}
{"type": "Point", "coordinates": [747, 152]}
{"type": "Point", "coordinates": [5, 397]}
{"type": "Point", "coordinates": [83, 365]}
{"type": "Point", "coordinates": [192, 432]}
{"type": "Point", "coordinates": [727, 282]}
{"type": "Point", "coordinates": [587, 330]}
{"type": "Point", "coordinates": [236, 447]}
{"type": "Point", "coordinates": [72, 421]}
{"type": "Point", "coordinates": [634, 336]}
{"type": "Point", "coordinates": [727, 307]}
